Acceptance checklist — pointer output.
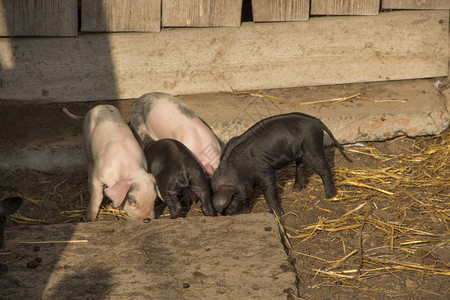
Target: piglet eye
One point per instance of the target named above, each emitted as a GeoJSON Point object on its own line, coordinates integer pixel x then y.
{"type": "Point", "coordinates": [131, 199]}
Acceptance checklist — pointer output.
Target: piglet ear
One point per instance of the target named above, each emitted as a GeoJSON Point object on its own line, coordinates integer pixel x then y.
{"type": "Point", "coordinates": [153, 180]}
{"type": "Point", "coordinates": [222, 197]}
{"type": "Point", "coordinates": [118, 191]}
{"type": "Point", "coordinates": [10, 206]}
{"type": "Point", "coordinates": [152, 177]}
{"type": "Point", "coordinates": [208, 169]}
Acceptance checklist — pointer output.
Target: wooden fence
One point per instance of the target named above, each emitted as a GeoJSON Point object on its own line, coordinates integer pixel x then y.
{"type": "Point", "coordinates": [84, 50]}
{"type": "Point", "coordinates": [61, 17]}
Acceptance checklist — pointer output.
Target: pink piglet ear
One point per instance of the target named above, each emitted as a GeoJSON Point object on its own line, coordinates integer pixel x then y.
{"type": "Point", "coordinates": [152, 177]}
{"type": "Point", "coordinates": [118, 191]}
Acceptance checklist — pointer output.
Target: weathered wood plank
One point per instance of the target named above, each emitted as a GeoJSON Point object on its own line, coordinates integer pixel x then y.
{"type": "Point", "coordinates": [168, 244]}
{"type": "Point", "coordinates": [38, 18]}
{"type": "Point", "coordinates": [201, 13]}
{"type": "Point", "coordinates": [391, 46]}
{"type": "Point", "coordinates": [121, 15]}
{"type": "Point", "coordinates": [5, 18]}
{"type": "Point", "coordinates": [280, 10]}
{"type": "Point", "coordinates": [345, 7]}
{"type": "Point", "coordinates": [415, 4]}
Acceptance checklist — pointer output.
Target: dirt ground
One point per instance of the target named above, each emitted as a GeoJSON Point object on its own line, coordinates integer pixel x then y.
{"type": "Point", "coordinates": [403, 239]}
{"type": "Point", "coordinates": [385, 235]}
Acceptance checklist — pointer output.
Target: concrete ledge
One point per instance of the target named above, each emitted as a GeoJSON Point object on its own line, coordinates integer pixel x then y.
{"type": "Point", "coordinates": [64, 156]}
{"type": "Point", "coordinates": [42, 137]}
{"type": "Point", "coordinates": [409, 107]}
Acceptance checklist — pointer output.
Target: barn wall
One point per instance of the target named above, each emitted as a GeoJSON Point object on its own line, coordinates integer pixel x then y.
{"type": "Point", "coordinates": [201, 13]}
{"type": "Point", "coordinates": [38, 18]}
{"type": "Point", "coordinates": [120, 16]}
{"type": "Point", "coordinates": [345, 7]}
{"type": "Point", "coordinates": [281, 10]}
{"type": "Point", "coordinates": [414, 4]}
{"type": "Point", "coordinates": [325, 50]}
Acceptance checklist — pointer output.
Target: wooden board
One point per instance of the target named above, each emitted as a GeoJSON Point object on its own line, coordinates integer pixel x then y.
{"type": "Point", "coordinates": [391, 46]}
{"type": "Point", "coordinates": [345, 7]}
{"type": "Point", "coordinates": [121, 15]}
{"type": "Point", "coordinates": [38, 18]}
{"type": "Point", "coordinates": [415, 4]}
{"type": "Point", "coordinates": [230, 257]}
{"type": "Point", "coordinates": [201, 13]}
{"type": "Point", "coordinates": [280, 10]}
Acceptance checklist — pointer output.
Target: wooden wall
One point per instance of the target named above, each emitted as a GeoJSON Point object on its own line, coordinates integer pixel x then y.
{"type": "Point", "coordinates": [201, 13]}
{"type": "Point", "coordinates": [390, 46]}
{"type": "Point", "coordinates": [285, 46]}
{"type": "Point", "coordinates": [280, 10]}
{"type": "Point", "coordinates": [121, 15]}
{"type": "Point", "coordinates": [416, 4]}
{"type": "Point", "coordinates": [61, 18]}
{"type": "Point", "coordinates": [345, 7]}
{"type": "Point", "coordinates": [38, 18]}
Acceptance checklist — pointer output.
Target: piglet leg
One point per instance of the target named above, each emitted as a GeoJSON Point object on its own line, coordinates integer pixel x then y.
{"type": "Point", "coordinates": [269, 186]}
{"type": "Point", "coordinates": [174, 205]}
{"type": "Point", "coordinates": [300, 175]}
{"type": "Point", "coordinates": [169, 196]}
{"type": "Point", "coordinates": [319, 162]}
{"type": "Point", "coordinates": [96, 191]}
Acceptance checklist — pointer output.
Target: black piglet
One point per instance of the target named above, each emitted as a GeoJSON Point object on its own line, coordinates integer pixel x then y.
{"type": "Point", "coordinates": [8, 206]}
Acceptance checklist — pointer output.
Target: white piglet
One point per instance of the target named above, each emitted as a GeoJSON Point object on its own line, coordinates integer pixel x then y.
{"type": "Point", "coordinates": [116, 164]}
{"type": "Point", "coordinates": [158, 116]}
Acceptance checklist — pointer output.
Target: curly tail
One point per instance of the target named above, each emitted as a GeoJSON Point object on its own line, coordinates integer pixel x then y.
{"type": "Point", "coordinates": [71, 115]}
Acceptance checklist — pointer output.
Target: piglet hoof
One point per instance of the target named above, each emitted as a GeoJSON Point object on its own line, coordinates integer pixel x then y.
{"type": "Point", "coordinates": [278, 211]}
{"type": "Point", "coordinates": [90, 218]}
{"type": "Point", "coordinates": [209, 213]}
{"type": "Point", "coordinates": [298, 186]}
{"type": "Point", "coordinates": [330, 193]}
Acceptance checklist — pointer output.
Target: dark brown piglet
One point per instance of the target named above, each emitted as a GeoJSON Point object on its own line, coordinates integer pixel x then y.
{"type": "Point", "coordinates": [7, 207]}
{"type": "Point", "coordinates": [179, 177]}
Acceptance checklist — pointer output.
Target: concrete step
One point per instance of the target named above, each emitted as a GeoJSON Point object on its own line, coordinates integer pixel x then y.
{"type": "Point", "coordinates": [41, 137]}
